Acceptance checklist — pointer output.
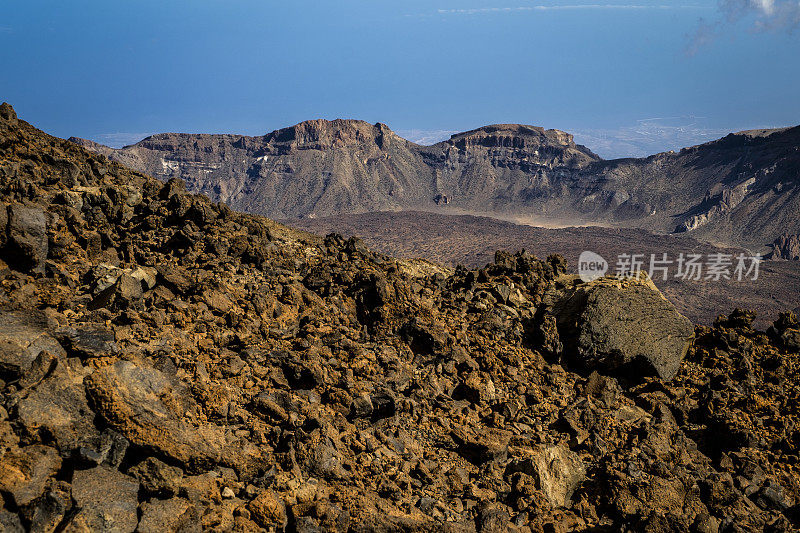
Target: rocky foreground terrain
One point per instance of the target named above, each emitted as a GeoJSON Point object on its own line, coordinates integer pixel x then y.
{"type": "Point", "coordinates": [169, 364]}
{"type": "Point", "coordinates": [472, 241]}
{"type": "Point", "coordinates": [741, 190]}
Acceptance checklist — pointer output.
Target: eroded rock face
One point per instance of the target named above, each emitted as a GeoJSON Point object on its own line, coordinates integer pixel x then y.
{"type": "Point", "coordinates": [623, 325]}
{"type": "Point", "coordinates": [786, 247]}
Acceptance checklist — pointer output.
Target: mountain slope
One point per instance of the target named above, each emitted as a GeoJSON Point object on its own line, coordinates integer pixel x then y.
{"type": "Point", "coordinates": [741, 189]}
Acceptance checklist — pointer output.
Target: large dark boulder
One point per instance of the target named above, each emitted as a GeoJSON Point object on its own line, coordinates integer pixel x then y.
{"type": "Point", "coordinates": [621, 325]}
{"type": "Point", "coordinates": [26, 247]}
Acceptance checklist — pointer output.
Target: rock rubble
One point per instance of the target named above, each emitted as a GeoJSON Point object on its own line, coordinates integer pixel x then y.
{"type": "Point", "coordinates": [167, 364]}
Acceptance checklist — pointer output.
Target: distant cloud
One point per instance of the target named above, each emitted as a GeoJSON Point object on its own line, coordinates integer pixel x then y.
{"type": "Point", "coordinates": [703, 35]}
{"type": "Point", "coordinates": [118, 140]}
{"type": "Point", "coordinates": [759, 15]}
{"type": "Point", "coordinates": [563, 7]}
{"type": "Point", "coordinates": [426, 137]}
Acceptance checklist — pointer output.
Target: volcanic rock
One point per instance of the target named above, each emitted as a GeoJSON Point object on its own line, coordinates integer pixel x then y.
{"type": "Point", "coordinates": [23, 336]}
{"type": "Point", "coordinates": [556, 470]}
{"type": "Point", "coordinates": [57, 407]}
{"type": "Point", "coordinates": [27, 245]}
{"type": "Point", "coordinates": [148, 409]}
{"type": "Point", "coordinates": [24, 473]}
{"type": "Point", "coordinates": [617, 324]}
{"type": "Point", "coordinates": [106, 501]}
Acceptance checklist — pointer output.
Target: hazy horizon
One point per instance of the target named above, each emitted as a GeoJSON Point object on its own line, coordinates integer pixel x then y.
{"type": "Point", "coordinates": [640, 140]}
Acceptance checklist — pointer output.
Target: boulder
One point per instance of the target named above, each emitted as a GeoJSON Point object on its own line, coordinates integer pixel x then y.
{"type": "Point", "coordinates": [149, 409]}
{"type": "Point", "coordinates": [492, 518]}
{"type": "Point", "coordinates": [27, 246]}
{"type": "Point", "coordinates": [168, 516]}
{"type": "Point", "coordinates": [146, 407]}
{"type": "Point", "coordinates": [107, 501]}
{"type": "Point", "coordinates": [23, 336]}
{"type": "Point", "coordinates": [125, 292]}
{"type": "Point", "coordinates": [621, 325]}
{"type": "Point", "coordinates": [92, 341]}
{"type": "Point", "coordinates": [268, 510]}
{"type": "Point", "coordinates": [557, 471]}
{"type": "Point", "coordinates": [24, 472]}
{"type": "Point", "coordinates": [107, 448]}
{"type": "Point", "coordinates": [10, 523]}
{"type": "Point", "coordinates": [157, 478]}
{"type": "Point", "coordinates": [47, 513]}
{"type": "Point", "coordinates": [57, 407]}
{"type": "Point", "coordinates": [7, 113]}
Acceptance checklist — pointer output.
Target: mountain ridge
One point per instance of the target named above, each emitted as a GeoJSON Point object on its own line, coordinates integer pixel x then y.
{"type": "Point", "coordinates": [738, 190]}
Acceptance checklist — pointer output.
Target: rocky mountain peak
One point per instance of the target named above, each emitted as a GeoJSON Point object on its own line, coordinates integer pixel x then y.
{"type": "Point", "coordinates": [324, 134]}
{"type": "Point", "coordinates": [533, 139]}
{"type": "Point", "coordinates": [517, 131]}
{"type": "Point", "coordinates": [528, 143]}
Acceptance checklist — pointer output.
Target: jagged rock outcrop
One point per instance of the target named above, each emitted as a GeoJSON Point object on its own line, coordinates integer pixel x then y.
{"type": "Point", "coordinates": [786, 247]}
{"type": "Point", "coordinates": [271, 379]}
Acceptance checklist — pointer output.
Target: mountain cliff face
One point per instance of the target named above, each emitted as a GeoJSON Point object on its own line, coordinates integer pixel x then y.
{"type": "Point", "coordinates": [321, 168]}
{"type": "Point", "coordinates": [739, 190]}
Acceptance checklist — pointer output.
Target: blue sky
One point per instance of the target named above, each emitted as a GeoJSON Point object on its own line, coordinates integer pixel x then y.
{"type": "Point", "coordinates": [628, 77]}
